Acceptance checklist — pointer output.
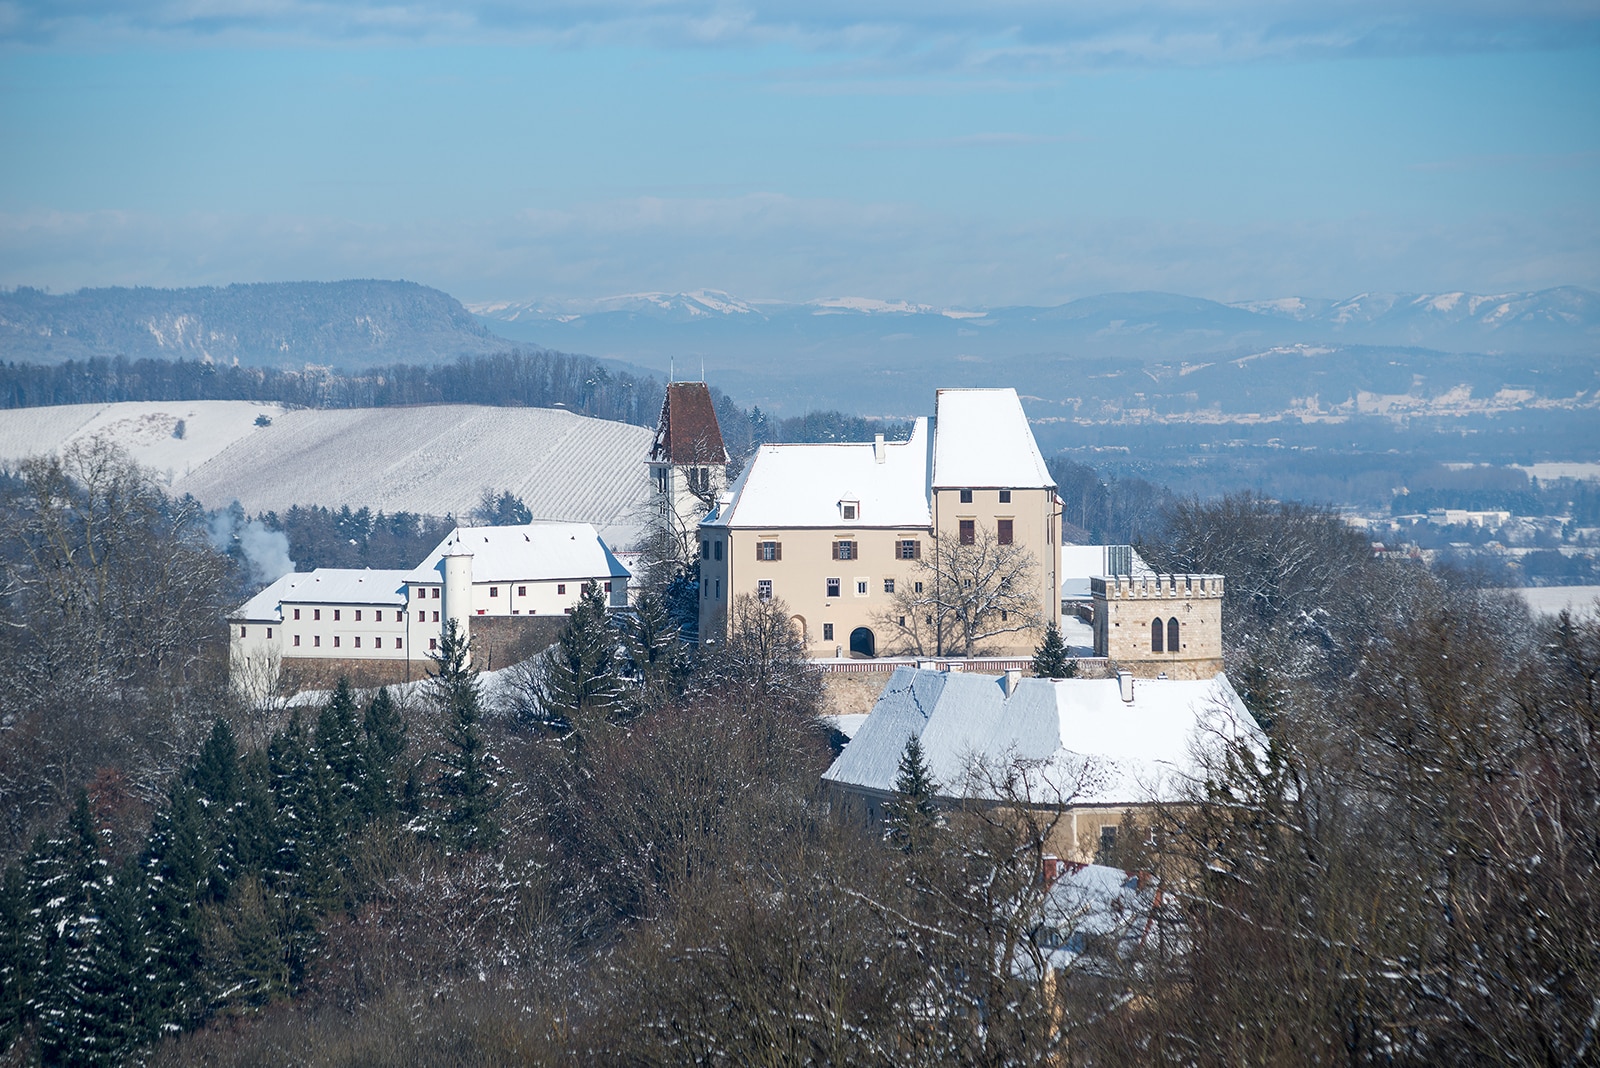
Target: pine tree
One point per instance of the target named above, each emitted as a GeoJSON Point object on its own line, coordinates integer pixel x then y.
{"type": "Point", "coordinates": [1050, 660]}
{"type": "Point", "coordinates": [656, 652]}
{"type": "Point", "coordinates": [67, 871]}
{"type": "Point", "coordinates": [467, 779]}
{"type": "Point", "coordinates": [912, 813]}
{"type": "Point", "coordinates": [384, 734]}
{"type": "Point", "coordinates": [583, 681]}
{"type": "Point", "coordinates": [338, 741]}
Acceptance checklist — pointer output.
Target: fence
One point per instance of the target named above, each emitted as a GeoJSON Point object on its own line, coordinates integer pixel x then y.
{"type": "Point", "coordinates": [990, 665]}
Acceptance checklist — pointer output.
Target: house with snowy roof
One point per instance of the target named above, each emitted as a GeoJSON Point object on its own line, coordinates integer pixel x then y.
{"type": "Point", "coordinates": [381, 626]}
{"type": "Point", "coordinates": [1091, 750]}
{"type": "Point", "coordinates": [841, 532]}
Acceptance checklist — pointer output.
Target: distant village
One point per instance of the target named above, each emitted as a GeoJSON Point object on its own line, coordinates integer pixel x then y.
{"type": "Point", "coordinates": [933, 563]}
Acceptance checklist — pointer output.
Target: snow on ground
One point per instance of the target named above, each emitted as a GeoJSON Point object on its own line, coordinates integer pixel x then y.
{"type": "Point", "coordinates": [1549, 471]}
{"type": "Point", "coordinates": [1551, 600]}
{"type": "Point", "coordinates": [146, 429]}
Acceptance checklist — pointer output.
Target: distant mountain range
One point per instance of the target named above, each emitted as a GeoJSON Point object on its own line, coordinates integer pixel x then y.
{"type": "Point", "coordinates": [882, 356]}
{"type": "Point", "coordinates": [288, 324]}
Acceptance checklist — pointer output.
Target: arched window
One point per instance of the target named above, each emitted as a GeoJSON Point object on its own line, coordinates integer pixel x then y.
{"type": "Point", "coordinates": [1173, 644]}
{"type": "Point", "coordinates": [1156, 627]}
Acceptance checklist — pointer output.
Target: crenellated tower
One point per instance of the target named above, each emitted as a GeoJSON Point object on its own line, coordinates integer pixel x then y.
{"type": "Point", "coordinates": [1159, 624]}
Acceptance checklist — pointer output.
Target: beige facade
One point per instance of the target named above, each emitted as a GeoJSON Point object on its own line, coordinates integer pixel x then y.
{"type": "Point", "coordinates": [837, 597]}
{"type": "Point", "coordinates": [844, 533]}
{"type": "Point", "coordinates": [1156, 624]}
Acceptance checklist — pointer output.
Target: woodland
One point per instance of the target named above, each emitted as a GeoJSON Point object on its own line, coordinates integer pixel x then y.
{"type": "Point", "coordinates": [620, 852]}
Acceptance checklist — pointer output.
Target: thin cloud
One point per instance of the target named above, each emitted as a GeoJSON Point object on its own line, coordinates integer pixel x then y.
{"type": "Point", "coordinates": [900, 37]}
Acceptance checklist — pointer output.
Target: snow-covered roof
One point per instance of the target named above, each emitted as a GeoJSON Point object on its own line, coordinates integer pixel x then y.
{"type": "Point", "coordinates": [982, 438]}
{"type": "Point", "coordinates": [1080, 563]}
{"type": "Point", "coordinates": [325, 585]}
{"type": "Point", "coordinates": [531, 552]}
{"type": "Point", "coordinates": [1079, 741]}
{"type": "Point", "coordinates": [805, 485]}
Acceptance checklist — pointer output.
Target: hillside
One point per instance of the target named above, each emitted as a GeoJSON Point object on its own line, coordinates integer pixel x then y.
{"type": "Point", "coordinates": [283, 324]}
{"type": "Point", "coordinates": [432, 460]}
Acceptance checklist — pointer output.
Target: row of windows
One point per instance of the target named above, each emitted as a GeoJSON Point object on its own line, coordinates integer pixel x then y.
{"type": "Point", "coordinates": [845, 549]}
{"type": "Point", "coordinates": [834, 585]}
{"type": "Point", "coordinates": [422, 616]}
{"type": "Point", "coordinates": [707, 548]}
{"type": "Point", "coordinates": [377, 614]}
{"type": "Point", "coordinates": [966, 496]}
{"type": "Point", "coordinates": [316, 641]}
{"type": "Point", "coordinates": [1173, 639]}
{"type": "Point", "coordinates": [1004, 531]}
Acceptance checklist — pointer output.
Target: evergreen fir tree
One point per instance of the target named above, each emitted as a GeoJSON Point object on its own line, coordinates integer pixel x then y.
{"type": "Point", "coordinates": [106, 1015]}
{"type": "Point", "coordinates": [214, 776]}
{"type": "Point", "coordinates": [583, 680]}
{"type": "Point", "coordinates": [304, 877]}
{"type": "Point", "coordinates": [660, 664]}
{"type": "Point", "coordinates": [467, 779]}
{"type": "Point", "coordinates": [177, 862]}
{"type": "Point", "coordinates": [17, 965]}
{"type": "Point", "coordinates": [338, 740]}
{"type": "Point", "coordinates": [67, 871]}
{"type": "Point", "coordinates": [384, 732]}
{"type": "Point", "coordinates": [912, 813]}
{"type": "Point", "coordinates": [1050, 660]}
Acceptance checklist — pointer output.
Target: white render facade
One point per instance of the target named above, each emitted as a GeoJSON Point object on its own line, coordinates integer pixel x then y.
{"type": "Point", "coordinates": [399, 615]}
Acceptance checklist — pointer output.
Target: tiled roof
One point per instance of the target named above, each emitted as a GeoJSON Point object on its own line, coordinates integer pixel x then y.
{"type": "Point", "coordinates": [806, 485]}
{"type": "Point", "coordinates": [1078, 741]}
{"type": "Point", "coordinates": [534, 552]}
{"type": "Point", "coordinates": [689, 433]}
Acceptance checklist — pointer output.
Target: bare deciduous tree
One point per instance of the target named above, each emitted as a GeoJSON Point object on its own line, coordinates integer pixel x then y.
{"type": "Point", "coordinates": [958, 597]}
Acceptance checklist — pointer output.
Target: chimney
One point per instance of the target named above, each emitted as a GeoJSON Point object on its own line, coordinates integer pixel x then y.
{"type": "Point", "coordinates": [879, 453]}
{"type": "Point", "coordinates": [927, 665]}
{"type": "Point", "coordinates": [1013, 676]}
{"type": "Point", "coordinates": [1125, 684]}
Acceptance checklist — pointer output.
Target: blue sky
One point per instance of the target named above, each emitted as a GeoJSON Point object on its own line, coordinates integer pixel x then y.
{"type": "Point", "coordinates": [955, 153]}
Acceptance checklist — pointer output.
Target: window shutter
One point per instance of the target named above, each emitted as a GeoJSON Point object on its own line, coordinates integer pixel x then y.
{"type": "Point", "coordinates": [777, 550]}
{"type": "Point", "coordinates": [760, 548]}
{"type": "Point", "coordinates": [836, 550]}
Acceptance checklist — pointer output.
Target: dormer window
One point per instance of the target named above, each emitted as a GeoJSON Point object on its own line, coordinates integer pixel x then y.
{"type": "Point", "coordinates": [850, 508]}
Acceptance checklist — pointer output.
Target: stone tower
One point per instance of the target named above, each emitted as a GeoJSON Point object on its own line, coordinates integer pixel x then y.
{"type": "Point", "coordinates": [1155, 624]}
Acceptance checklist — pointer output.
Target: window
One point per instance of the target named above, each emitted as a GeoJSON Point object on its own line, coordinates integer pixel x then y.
{"type": "Point", "coordinates": [1002, 615]}
{"type": "Point", "coordinates": [902, 621]}
{"type": "Point", "coordinates": [966, 496]}
{"type": "Point", "coordinates": [378, 615]}
{"type": "Point", "coordinates": [397, 644]}
{"type": "Point", "coordinates": [436, 593]}
{"type": "Point", "coordinates": [269, 632]}
{"type": "Point", "coordinates": [436, 617]}
{"type": "Point", "coordinates": [1003, 531]}
{"type": "Point", "coordinates": [494, 591]}
{"type": "Point", "coordinates": [608, 587]}
{"type": "Point", "coordinates": [358, 615]}
{"type": "Point", "coordinates": [1005, 496]}
{"type": "Point", "coordinates": [716, 550]}
{"type": "Point", "coordinates": [1173, 645]}
{"type": "Point", "coordinates": [849, 511]}
{"type": "Point", "coordinates": [297, 613]}
{"type": "Point", "coordinates": [316, 641]}
{"type": "Point", "coordinates": [769, 550]}
{"type": "Point", "coordinates": [522, 591]}
{"type": "Point", "coordinates": [910, 549]}
{"type": "Point", "coordinates": [297, 639]}
{"type": "Point", "coordinates": [719, 589]}
{"type": "Point", "coordinates": [316, 613]}
{"type": "Point", "coordinates": [844, 550]}
{"type": "Point", "coordinates": [336, 641]}
{"type": "Point", "coordinates": [833, 587]}
{"type": "Point", "coordinates": [827, 632]}
{"type": "Point", "coordinates": [561, 589]}
{"type": "Point", "coordinates": [377, 643]}
{"type": "Point", "coordinates": [969, 532]}
{"type": "Point", "coordinates": [433, 643]}
{"type": "Point", "coordinates": [358, 641]}
{"type": "Point", "coordinates": [888, 585]}
{"type": "Point", "coordinates": [916, 587]}
{"type": "Point", "coordinates": [1107, 852]}
{"type": "Point", "coordinates": [1156, 634]}
{"type": "Point", "coordinates": [861, 587]}
{"type": "Point", "coordinates": [661, 480]}
{"type": "Point", "coordinates": [336, 613]}
{"type": "Point", "coordinates": [705, 550]}
{"type": "Point", "coordinates": [243, 633]}
{"type": "Point", "coordinates": [764, 589]}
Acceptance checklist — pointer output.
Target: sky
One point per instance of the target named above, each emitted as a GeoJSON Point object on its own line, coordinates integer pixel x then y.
{"type": "Point", "coordinates": [952, 152]}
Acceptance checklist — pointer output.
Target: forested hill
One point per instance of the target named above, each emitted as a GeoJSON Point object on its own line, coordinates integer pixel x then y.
{"type": "Point", "coordinates": [284, 324]}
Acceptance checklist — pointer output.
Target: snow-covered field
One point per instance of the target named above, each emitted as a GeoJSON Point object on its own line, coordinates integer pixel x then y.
{"type": "Point", "coordinates": [146, 429]}
{"type": "Point", "coordinates": [435, 460]}
{"type": "Point", "coordinates": [1550, 600]}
